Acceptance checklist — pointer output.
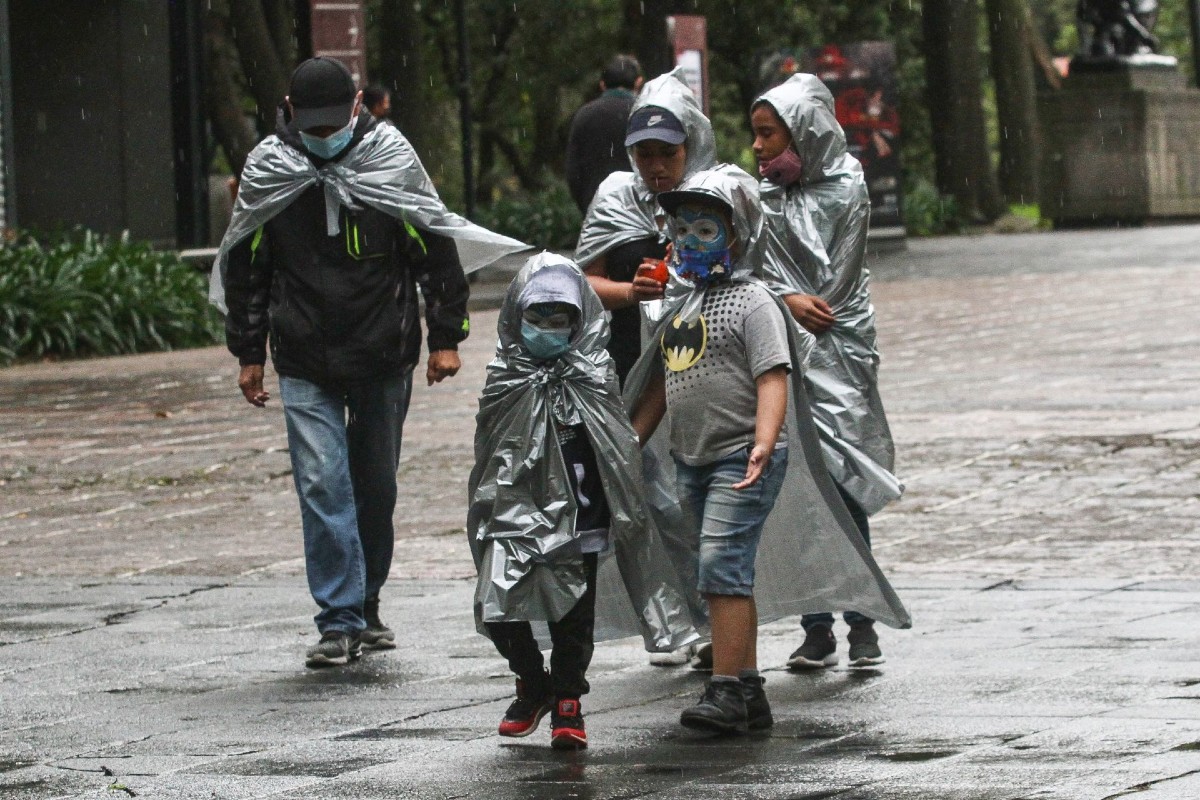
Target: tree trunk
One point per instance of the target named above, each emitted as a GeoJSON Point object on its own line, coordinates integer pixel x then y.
{"type": "Point", "coordinates": [1016, 99]}
{"type": "Point", "coordinates": [265, 71]}
{"type": "Point", "coordinates": [281, 22]}
{"type": "Point", "coordinates": [222, 92]}
{"type": "Point", "coordinates": [952, 69]}
{"type": "Point", "coordinates": [403, 68]}
{"type": "Point", "coordinates": [645, 32]}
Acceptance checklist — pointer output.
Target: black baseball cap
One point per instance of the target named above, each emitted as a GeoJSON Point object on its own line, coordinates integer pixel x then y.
{"type": "Point", "coordinates": [322, 93]}
{"type": "Point", "coordinates": [653, 122]}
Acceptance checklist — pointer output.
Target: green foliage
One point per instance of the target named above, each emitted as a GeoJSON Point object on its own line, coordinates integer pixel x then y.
{"type": "Point", "coordinates": [548, 219]}
{"type": "Point", "coordinates": [928, 213]}
{"type": "Point", "coordinates": [80, 293]}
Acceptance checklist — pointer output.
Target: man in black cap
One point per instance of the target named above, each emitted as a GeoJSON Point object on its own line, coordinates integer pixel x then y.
{"type": "Point", "coordinates": [596, 142]}
{"type": "Point", "coordinates": [331, 283]}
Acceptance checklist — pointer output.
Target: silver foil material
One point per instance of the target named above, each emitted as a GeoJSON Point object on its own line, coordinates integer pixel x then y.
{"type": "Point", "coordinates": [816, 245]}
{"type": "Point", "coordinates": [521, 519]}
{"type": "Point", "coordinates": [382, 171]}
{"type": "Point", "coordinates": [624, 208]}
{"type": "Point", "coordinates": [811, 557]}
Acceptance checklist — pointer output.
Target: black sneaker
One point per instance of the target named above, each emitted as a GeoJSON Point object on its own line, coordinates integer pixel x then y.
{"type": "Point", "coordinates": [722, 709]}
{"type": "Point", "coordinates": [533, 702]}
{"type": "Point", "coordinates": [758, 710]}
{"type": "Point", "coordinates": [864, 645]}
{"type": "Point", "coordinates": [377, 636]}
{"type": "Point", "coordinates": [818, 651]}
{"type": "Point", "coordinates": [702, 661]}
{"type": "Point", "coordinates": [567, 731]}
{"type": "Point", "coordinates": [335, 649]}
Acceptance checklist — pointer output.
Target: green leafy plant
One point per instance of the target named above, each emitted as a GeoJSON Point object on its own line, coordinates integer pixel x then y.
{"type": "Point", "coordinates": [927, 212]}
{"type": "Point", "coordinates": [547, 219]}
{"type": "Point", "coordinates": [80, 293]}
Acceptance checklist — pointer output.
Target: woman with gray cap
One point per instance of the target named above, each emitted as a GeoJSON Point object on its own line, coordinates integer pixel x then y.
{"type": "Point", "coordinates": [668, 139]}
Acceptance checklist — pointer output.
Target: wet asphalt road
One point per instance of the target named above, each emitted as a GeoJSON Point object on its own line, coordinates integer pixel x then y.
{"type": "Point", "coordinates": [1045, 395]}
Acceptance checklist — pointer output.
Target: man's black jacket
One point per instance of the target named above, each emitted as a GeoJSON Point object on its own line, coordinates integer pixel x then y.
{"type": "Point", "coordinates": [341, 309]}
{"type": "Point", "coordinates": [596, 144]}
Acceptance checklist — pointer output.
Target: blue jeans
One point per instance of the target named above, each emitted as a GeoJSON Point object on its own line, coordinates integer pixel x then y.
{"type": "Point", "coordinates": [345, 448]}
{"type": "Point", "coordinates": [862, 521]}
{"type": "Point", "coordinates": [729, 521]}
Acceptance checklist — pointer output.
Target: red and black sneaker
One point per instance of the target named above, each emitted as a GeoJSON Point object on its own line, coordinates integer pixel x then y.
{"type": "Point", "coordinates": [566, 726]}
{"type": "Point", "coordinates": [532, 703]}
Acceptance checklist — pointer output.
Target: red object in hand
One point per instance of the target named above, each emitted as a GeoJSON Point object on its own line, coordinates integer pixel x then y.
{"type": "Point", "coordinates": [656, 269]}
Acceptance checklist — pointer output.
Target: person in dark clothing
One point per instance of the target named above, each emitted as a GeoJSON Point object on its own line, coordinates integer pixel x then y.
{"type": "Point", "coordinates": [338, 308]}
{"type": "Point", "coordinates": [596, 141]}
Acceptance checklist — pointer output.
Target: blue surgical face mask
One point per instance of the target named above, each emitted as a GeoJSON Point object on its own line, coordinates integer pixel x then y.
{"type": "Point", "coordinates": [545, 344]}
{"type": "Point", "coordinates": [701, 249]}
{"type": "Point", "coordinates": [332, 144]}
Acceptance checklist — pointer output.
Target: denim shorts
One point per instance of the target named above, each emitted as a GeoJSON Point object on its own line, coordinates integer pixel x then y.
{"type": "Point", "coordinates": [729, 521]}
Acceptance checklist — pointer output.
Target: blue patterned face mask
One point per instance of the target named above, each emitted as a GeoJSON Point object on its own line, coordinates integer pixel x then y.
{"type": "Point", "coordinates": [332, 144]}
{"type": "Point", "coordinates": [701, 247]}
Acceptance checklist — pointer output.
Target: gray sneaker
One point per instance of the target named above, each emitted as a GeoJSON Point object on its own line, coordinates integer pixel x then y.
{"type": "Point", "coordinates": [864, 645]}
{"type": "Point", "coordinates": [377, 636]}
{"type": "Point", "coordinates": [335, 649]}
{"type": "Point", "coordinates": [818, 651]}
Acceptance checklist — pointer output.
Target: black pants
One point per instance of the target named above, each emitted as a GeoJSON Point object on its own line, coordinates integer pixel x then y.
{"type": "Point", "coordinates": [572, 643]}
{"type": "Point", "coordinates": [864, 527]}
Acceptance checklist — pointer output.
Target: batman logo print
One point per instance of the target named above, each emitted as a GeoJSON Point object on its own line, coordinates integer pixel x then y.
{"type": "Point", "coordinates": [683, 344]}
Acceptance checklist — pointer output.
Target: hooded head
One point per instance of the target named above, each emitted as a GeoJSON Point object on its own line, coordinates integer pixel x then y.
{"type": "Point", "coordinates": [668, 105]}
{"type": "Point", "coordinates": [805, 106]}
{"type": "Point", "coordinates": [550, 309]}
{"type": "Point", "coordinates": [713, 211]}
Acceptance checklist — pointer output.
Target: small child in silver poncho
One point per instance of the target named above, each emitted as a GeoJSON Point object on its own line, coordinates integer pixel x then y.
{"type": "Point", "coordinates": [556, 486]}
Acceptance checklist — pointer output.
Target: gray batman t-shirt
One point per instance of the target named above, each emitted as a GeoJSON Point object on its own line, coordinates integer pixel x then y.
{"type": "Point", "coordinates": [711, 367]}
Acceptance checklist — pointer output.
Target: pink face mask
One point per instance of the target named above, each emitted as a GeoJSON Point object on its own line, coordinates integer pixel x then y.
{"type": "Point", "coordinates": [783, 170]}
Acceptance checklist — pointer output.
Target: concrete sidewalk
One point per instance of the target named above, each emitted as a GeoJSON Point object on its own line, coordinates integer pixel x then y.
{"type": "Point", "coordinates": [1045, 395]}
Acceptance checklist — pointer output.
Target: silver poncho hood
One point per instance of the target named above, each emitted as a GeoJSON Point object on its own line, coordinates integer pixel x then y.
{"type": "Point", "coordinates": [521, 518]}
{"type": "Point", "coordinates": [811, 557]}
{"type": "Point", "coordinates": [624, 208]}
{"type": "Point", "coordinates": [816, 244]}
{"type": "Point", "coordinates": [382, 171]}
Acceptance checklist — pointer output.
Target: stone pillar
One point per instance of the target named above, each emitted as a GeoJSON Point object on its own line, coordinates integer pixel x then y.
{"type": "Point", "coordinates": [1122, 144]}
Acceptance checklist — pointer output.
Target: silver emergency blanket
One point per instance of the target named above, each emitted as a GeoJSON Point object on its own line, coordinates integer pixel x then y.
{"type": "Point", "coordinates": [521, 518]}
{"type": "Point", "coordinates": [624, 208]}
{"type": "Point", "coordinates": [811, 557]}
{"type": "Point", "coordinates": [382, 171]}
{"type": "Point", "coordinates": [816, 245]}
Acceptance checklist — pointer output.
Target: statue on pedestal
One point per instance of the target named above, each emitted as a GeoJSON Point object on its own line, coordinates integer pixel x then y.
{"type": "Point", "coordinates": [1116, 28]}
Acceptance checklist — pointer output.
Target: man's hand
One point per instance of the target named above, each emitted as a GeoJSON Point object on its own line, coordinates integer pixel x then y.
{"type": "Point", "coordinates": [250, 381]}
{"type": "Point", "coordinates": [813, 313]}
{"type": "Point", "coordinates": [760, 456]}
{"type": "Point", "coordinates": [442, 364]}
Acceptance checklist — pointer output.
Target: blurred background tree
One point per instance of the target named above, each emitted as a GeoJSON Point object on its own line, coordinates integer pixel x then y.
{"type": "Point", "coordinates": [973, 66]}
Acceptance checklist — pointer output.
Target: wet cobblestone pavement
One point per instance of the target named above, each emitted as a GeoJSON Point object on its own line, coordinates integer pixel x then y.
{"type": "Point", "coordinates": [1045, 395]}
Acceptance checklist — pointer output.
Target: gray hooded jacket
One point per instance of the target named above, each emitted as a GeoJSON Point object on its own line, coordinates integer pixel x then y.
{"type": "Point", "coordinates": [811, 557]}
{"type": "Point", "coordinates": [816, 244]}
{"type": "Point", "coordinates": [521, 519]}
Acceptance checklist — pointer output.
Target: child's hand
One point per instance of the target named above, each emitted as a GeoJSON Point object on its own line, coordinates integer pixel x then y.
{"type": "Point", "coordinates": [760, 456]}
{"type": "Point", "coordinates": [813, 313]}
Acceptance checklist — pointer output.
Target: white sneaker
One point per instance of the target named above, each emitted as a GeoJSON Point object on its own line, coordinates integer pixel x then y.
{"type": "Point", "coordinates": [674, 658]}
